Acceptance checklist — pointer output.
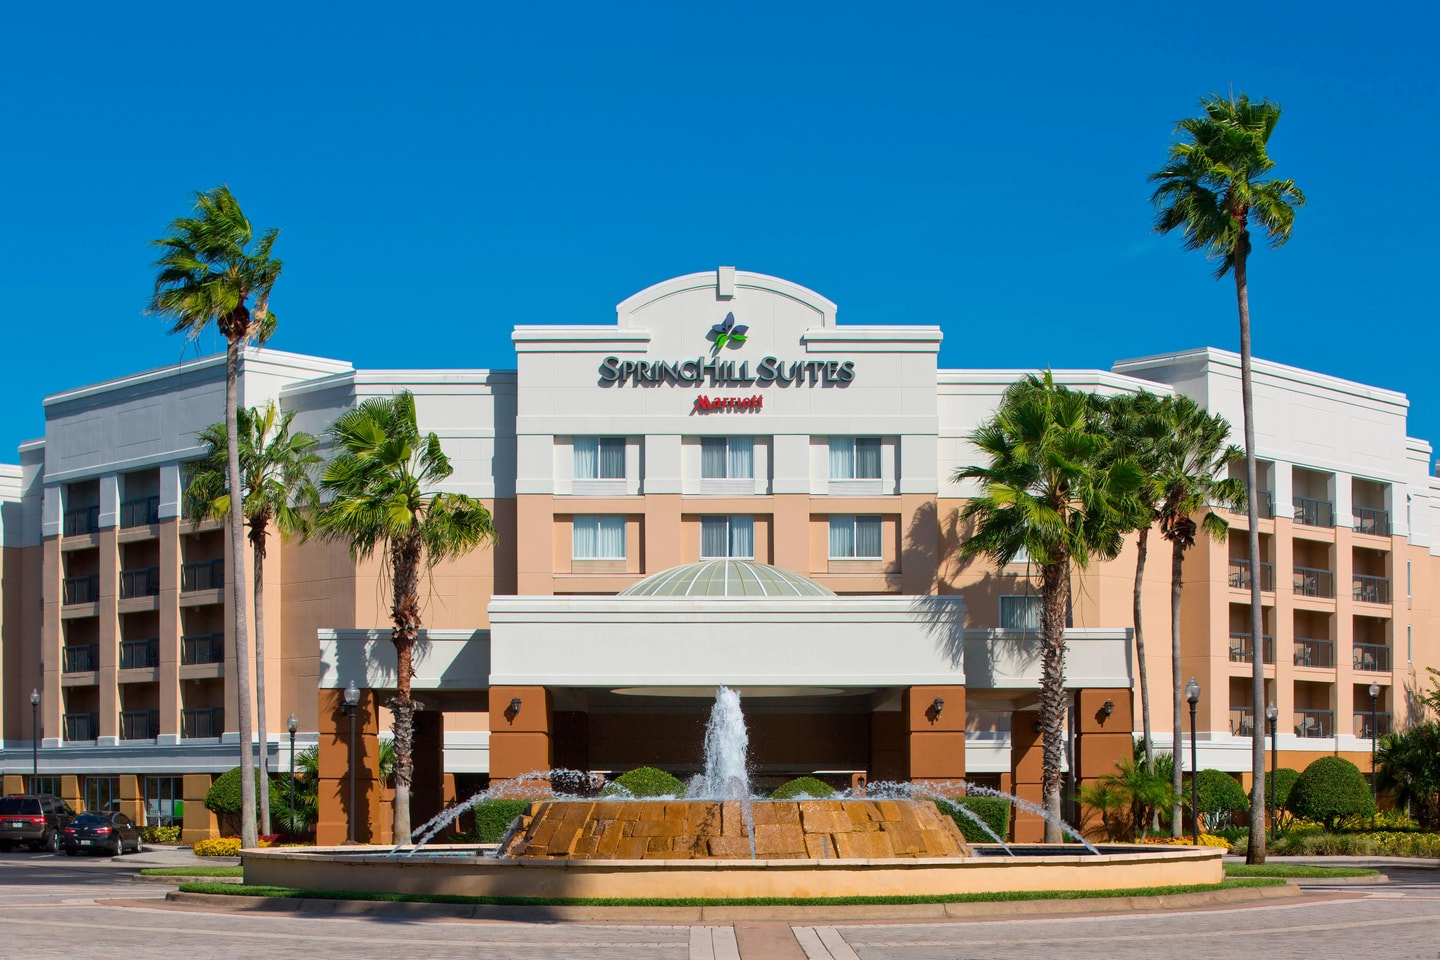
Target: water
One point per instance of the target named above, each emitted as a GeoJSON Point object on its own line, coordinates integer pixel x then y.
{"type": "Point", "coordinates": [727, 759]}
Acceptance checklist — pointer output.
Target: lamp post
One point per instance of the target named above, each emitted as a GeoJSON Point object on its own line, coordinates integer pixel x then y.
{"type": "Point", "coordinates": [1374, 735]}
{"type": "Point", "coordinates": [1272, 714]}
{"type": "Point", "coordinates": [352, 698]}
{"type": "Point", "coordinates": [1192, 694]}
{"type": "Point", "coordinates": [292, 724]}
{"type": "Point", "coordinates": [35, 739]}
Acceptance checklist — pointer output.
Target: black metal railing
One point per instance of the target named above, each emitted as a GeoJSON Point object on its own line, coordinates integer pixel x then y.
{"type": "Point", "coordinates": [140, 512]}
{"type": "Point", "coordinates": [142, 582]}
{"type": "Point", "coordinates": [197, 723]}
{"type": "Point", "coordinates": [80, 657]}
{"type": "Point", "coordinates": [82, 521]}
{"type": "Point", "coordinates": [1310, 512]}
{"type": "Point", "coordinates": [82, 726]}
{"type": "Point", "coordinates": [202, 575]}
{"type": "Point", "coordinates": [202, 648]}
{"type": "Point", "coordinates": [1314, 723]}
{"type": "Point", "coordinates": [1314, 582]}
{"type": "Point", "coordinates": [1243, 651]}
{"type": "Point", "coordinates": [1369, 589]}
{"type": "Point", "coordinates": [1240, 575]}
{"type": "Point", "coordinates": [1372, 657]}
{"type": "Point", "coordinates": [1311, 652]}
{"type": "Point", "coordinates": [84, 589]}
{"type": "Point", "coordinates": [1366, 729]}
{"type": "Point", "coordinates": [139, 654]}
{"type": "Point", "coordinates": [1242, 721]}
{"type": "Point", "coordinates": [139, 724]}
{"type": "Point", "coordinates": [1265, 503]}
{"type": "Point", "coordinates": [1371, 520]}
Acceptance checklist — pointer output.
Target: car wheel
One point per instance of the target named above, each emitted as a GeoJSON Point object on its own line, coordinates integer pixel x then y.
{"type": "Point", "coordinates": [139, 845]}
{"type": "Point", "coordinates": [53, 844]}
{"type": "Point", "coordinates": [119, 846]}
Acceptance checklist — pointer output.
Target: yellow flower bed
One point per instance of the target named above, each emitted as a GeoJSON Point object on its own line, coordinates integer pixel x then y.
{"type": "Point", "coordinates": [217, 847]}
{"type": "Point", "coordinates": [1206, 840]}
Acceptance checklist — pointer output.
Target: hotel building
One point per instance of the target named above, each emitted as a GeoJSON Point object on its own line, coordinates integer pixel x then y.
{"type": "Point", "coordinates": [725, 486]}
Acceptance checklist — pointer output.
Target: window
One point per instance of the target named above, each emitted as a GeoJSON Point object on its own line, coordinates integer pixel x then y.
{"type": "Point", "coordinates": [854, 538]}
{"type": "Point", "coordinates": [102, 793]}
{"type": "Point", "coordinates": [50, 785]}
{"type": "Point", "coordinates": [1409, 642]}
{"type": "Point", "coordinates": [164, 800]}
{"type": "Point", "coordinates": [1020, 613]}
{"type": "Point", "coordinates": [598, 538]}
{"type": "Point", "coordinates": [727, 537]}
{"type": "Point", "coordinates": [599, 458]}
{"type": "Point", "coordinates": [727, 458]}
{"type": "Point", "coordinates": [854, 458]}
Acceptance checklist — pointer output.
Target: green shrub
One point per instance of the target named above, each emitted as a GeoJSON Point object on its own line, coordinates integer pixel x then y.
{"type": "Point", "coordinates": [1317, 843]}
{"type": "Point", "coordinates": [1219, 797]}
{"type": "Point", "coordinates": [493, 818]}
{"type": "Point", "coordinates": [217, 847]}
{"type": "Point", "coordinates": [223, 796]}
{"type": "Point", "coordinates": [995, 811]}
{"type": "Point", "coordinates": [645, 782]}
{"type": "Point", "coordinates": [807, 787]}
{"type": "Point", "coordinates": [1330, 790]}
{"type": "Point", "coordinates": [160, 834]}
{"type": "Point", "coordinates": [1277, 790]}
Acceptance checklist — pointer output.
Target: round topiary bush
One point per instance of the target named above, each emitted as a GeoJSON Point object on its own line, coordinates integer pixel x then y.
{"type": "Point", "coordinates": [803, 788]}
{"type": "Point", "coordinates": [1220, 797]}
{"type": "Point", "coordinates": [1277, 788]}
{"type": "Point", "coordinates": [645, 782]}
{"type": "Point", "coordinates": [1330, 790]}
{"type": "Point", "coordinates": [223, 798]}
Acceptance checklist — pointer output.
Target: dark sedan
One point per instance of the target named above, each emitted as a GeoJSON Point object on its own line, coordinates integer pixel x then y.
{"type": "Point", "coordinates": [108, 833]}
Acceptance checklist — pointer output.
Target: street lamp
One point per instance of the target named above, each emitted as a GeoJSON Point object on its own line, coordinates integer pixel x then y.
{"type": "Point", "coordinates": [292, 724]}
{"type": "Point", "coordinates": [352, 698]}
{"type": "Point", "coordinates": [1374, 735]}
{"type": "Point", "coordinates": [1272, 714]}
{"type": "Point", "coordinates": [35, 740]}
{"type": "Point", "coordinates": [1192, 694]}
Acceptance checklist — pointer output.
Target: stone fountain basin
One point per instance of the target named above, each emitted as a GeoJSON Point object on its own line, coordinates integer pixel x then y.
{"type": "Point", "coordinates": [459, 872]}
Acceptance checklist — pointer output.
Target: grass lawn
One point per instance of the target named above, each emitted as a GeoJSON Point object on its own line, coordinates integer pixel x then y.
{"type": "Point", "coordinates": [192, 872]}
{"type": "Point", "coordinates": [1294, 870]}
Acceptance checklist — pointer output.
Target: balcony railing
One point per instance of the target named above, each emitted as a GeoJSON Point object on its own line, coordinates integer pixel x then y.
{"type": "Point", "coordinates": [139, 724]}
{"type": "Point", "coordinates": [1371, 589]}
{"type": "Point", "coordinates": [202, 575]}
{"type": "Point", "coordinates": [1314, 582]}
{"type": "Point", "coordinates": [1243, 651]}
{"type": "Point", "coordinates": [82, 726]}
{"type": "Point", "coordinates": [1240, 575]}
{"type": "Point", "coordinates": [198, 723]}
{"type": "Point", "coordinates": [1370, 520]}
{"type": "Point", "coordinates": [1314, 513]}
{"type": "Point", "coordinates": [143, 582]}
{"type": "Point", "coordinates": [1310, 652]}
{"type": "Point", "coordinates": [1242, 721]}
{"type": "Point", "coordinates": [80, 657]}
{"type": "Point", "coordinates": [84, 589]}
{"type": "Point", "coordinates": [82, 521]}
{"type": "Point", "coordinates": [1364, 725]}
{"type": "Point", "coordinates": [1372, 657]}
{"type": "Point", "coordinates": [1314, 723]}
{"type": "Point", "coordinates": [202, 648]}
{"type": "Point", "coordinates": [1265, 503]}
{"type": "Point", "coordinates": [140, 512]}
{"type": "Point", "coordinates": [139, 654]}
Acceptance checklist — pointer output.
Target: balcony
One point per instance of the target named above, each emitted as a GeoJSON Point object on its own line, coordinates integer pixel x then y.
{"type": "Point", "coordinates": [139, 724]}
{"type": "Point", "coordinates": [1314, 724]}
{"type": "Point", "coordinates": [81, 522]}
{"type": "Point", "coordinates": [82, 726]}
{"type": "Point", "coordinates": [143, 582]}
{"type": "Point", "coordinates": [1368, 520]}
{"type": "Point", "coordinates": [1314, 582]}
{"type": "Point", "coordinates": [84, 589]}
{"type": "Point", "coordinates": [80, 658]}
{"type": "Point", "coordinates": [1363, 724]}
{"type": "Point", "coordinates": [1372, 589]}
{"type": "Point", "coordinates": [1243, 651]}
{"type": "Point", "coordinates": [1310, 652]}
{"type": "Point", "coordinates": [202, 648]}
{"type": "Point", "coordinates": [202, 575]}
{"type": "Point", "coordinates": [140, 512]}
{"type": "Point", "coordinates": [1314, 513]}
{"type": "Point", "coordinates": [1372, 657]}
{"type": "Point", "coordinates": [139, 654]}
{"type": "Point", "coordinates": [1242, 721]}
{"type": "Point", "coordinates": [200, 723]}
{"type": "Point", "coordinates": [1240, 575]}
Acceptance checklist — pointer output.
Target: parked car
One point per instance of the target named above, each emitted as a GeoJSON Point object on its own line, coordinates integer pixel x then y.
{"type": "Point", "coordinates": [102, 832]}
{"type": "Point", "coordinates": [37, 819]}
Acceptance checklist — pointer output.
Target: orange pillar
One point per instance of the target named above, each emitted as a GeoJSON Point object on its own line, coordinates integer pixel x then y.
{"type": "Point", "coordinates": [1026, 773]}
{"type": "Point", "coordinates": [936, 732]}
{"type": "Point", "coordinates": [371, 825]}
{"type": "Point", "coordinates": [520, 732]}
{"type": "Point", "coordinates": [1102, 739]}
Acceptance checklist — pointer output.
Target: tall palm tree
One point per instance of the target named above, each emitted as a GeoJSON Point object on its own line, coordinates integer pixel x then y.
{"type": "Point", "coordinates": [1051, 490]}
{"type": "Point", "coordinates": [275, 467]}
{"type": "Point", "coordinates": [1211, 189]}
{"type": "Point", "coordinates": [213, 269]}
{"type": "Point", "coordinates": [381, 484]}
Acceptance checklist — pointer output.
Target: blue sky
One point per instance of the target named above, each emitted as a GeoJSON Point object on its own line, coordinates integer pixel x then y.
{"type": "Point", "coordinates": [442, 173]}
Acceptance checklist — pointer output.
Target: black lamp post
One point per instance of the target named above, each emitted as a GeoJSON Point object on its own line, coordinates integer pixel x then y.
{"type": "Point", "coordinates": [1374, 735]}
{"type": "Point", "coordinates": [352, 698]}
{"type": "Point", "coordinates": [1272, 715]}
{"type": "Point", "coordinates": [292, 725]}
{"type": "Point", "coordinates": [1192, 694]}
{"type": "Point", "coordinates": [35, 739]}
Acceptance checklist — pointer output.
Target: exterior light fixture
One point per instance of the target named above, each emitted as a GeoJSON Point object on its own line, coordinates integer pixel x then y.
{"type": "Point", "coordinates": [1192, 694]}
{"type": "Point", "coordinates": [1272, 714]}
{"type": "Point", "coordinates": [293, 724]}
{"type": "Point", "coordinates": [1374, 735]}
{"type": "Point", "coordinates": [939, 704]}
{"type": "Point", "coordinates": [1107, 708]}
{"type": "Point", "coordinates": [35, 740]}
{"type": "Point", "coordinates": [352, 698]}
{"type": "Point", "coordinates": [514, 705]}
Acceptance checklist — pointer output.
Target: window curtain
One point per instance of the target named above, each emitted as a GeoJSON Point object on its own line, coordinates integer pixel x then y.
{"type": "Point", "coordinates": [712, 458]}
{"type": "Point", "coordinates": [867, 458]}
{"type": "Point", "coordinates": [842, 459]}
{"type": "Point", "coordinates": [842, 536]}
{"type": "Point", "coordinates": [612, 458]}
{"type": "Point", "coordinates": [1020, 613]}
{"type": "Point", "coordinates": [598, 538]}
{"type": "Point", "coordinates": [714, 537]}
{"type": "Point", "coordinates": [586, 458]}
{"type": "Point", "coordinates": [742, 537]}
{"type": "Point", "coordinates": [742, 458]}
{"type": "Point", "coordinates": [867, 537]}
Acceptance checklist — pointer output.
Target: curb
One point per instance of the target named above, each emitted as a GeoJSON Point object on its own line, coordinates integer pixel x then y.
{"type": "Point", "coordinates": [175, 880]}
{"type": "Point", "coordinates": [1337, 881]}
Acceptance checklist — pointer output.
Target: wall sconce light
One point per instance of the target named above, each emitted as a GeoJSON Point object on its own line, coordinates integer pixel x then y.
{"type": "Point", "coordinates": [514, 706]}
{"type": "Point", "coordinates": [352, 697]}
{"type": "Point", "coordinates": [1038, 728]}
{"type": "Point", "coordinates": [939, 704]}
{"type": "Point", "coordinates": [1107, 708]}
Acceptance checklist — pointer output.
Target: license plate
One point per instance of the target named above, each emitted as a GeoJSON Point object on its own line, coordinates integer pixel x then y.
{"type": "Point", "coordinates": [86, 843]}
{"type": "Point", "coordinates": [17, 823]}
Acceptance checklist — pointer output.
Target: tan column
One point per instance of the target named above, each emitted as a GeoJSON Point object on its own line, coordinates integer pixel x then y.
{"type": "Point", "coordinates": [919, 544]}
{"type": "Point", "coordinates": [199, 823]}
{"type": "Point", "coordinates": [1027, 773]}
{"type": "Point", "coordinates": [109, 699]}
{"type": "Point", "coordinates": [534, 545]}
{"type": "Point", "coordinates": [1103, 738]}
{"type": "Point", "coordinates": [335, 771]}
{"type": "Point", "coordinates": [936, 733]}
{"type": "Point", "coordinates": [519, 738]}
{"type": "Point", "coordinates": [169, 685]}
{"type": "Point", "coordinates": [661, 532]}
{"type": "Point", "coordinates": [132, 804]}
{"type": "Point", "coordinates": [792, 533]}
{"type": "Point", "coordinates": [52, 702]}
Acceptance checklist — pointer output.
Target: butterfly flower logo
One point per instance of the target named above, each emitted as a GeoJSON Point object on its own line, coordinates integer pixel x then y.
{"type": "Point", "coordinates": [728, 331]}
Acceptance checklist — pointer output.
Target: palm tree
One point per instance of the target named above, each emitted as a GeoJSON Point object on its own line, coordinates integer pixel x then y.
{"type": "Point", "coordinates": [276, 468]}
{"type": "Point", "coordinates": [381, 485]}
{"type": "Point", "coordinates": [1051, 490]}
{"type": "Point", "coordinates": [1210, 188]}
{"type": "Point", "coordinates": [214, 270]}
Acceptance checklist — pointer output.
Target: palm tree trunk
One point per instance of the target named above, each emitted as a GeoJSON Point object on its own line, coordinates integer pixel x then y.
{"type": "Point", "coordinates": [1177, 751]}
{"type": "Point", "coordinates": [1142, 549]}
{"type": "Point", "coordinates": [248, 836]}
{"type": "Point", "coordinates": [1053, 698]}
{"type": "Point", "coordinates": [258, 548]}
{"type": "Point", "coordinates": [1255, 852]}
{"type": "Point", "coordinates": [405, 560]}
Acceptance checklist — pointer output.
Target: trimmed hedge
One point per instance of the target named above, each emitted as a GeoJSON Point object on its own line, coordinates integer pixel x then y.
{"type": "Point", "coordinates": [995, 811]}
{"type": "Point", "coordinates": [217, 847]}
{"type": "Point", "coordinates": [493, 818]}
{"type": "Point", "coordinates": [160, 834]}
{"type": "Point", "coordinates": [803, 787]}
{"type": "Point", "coordinates": [1219, 797]}
{"type": "Point", "coordinates": [223, 797]}
{"type": "Point", "coordinates": [1330, 789]}
{"type": "Point", "coordinates": [645, 782]}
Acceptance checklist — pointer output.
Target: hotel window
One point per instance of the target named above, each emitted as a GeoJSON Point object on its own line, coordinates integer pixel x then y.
{"type": "Point", "coordinates": [1020, 613]}
{"type": "Point", "coordinates": [727, 537]}
{"type": "Point", "coordinates": [599, 458]}
{"type": "Point", "coordinates": [854, 538]}
{"type": "Point", "coordinates": [854, 458]}
{"type": "Point", "coordinates": [598, 538]}
{"type": "Point", "coordinates": [727, 458]}
{"type": "Point", "coordinates": [1409, 642]}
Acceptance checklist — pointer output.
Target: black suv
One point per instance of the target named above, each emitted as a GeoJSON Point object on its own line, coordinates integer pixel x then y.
{"type": "Point", "coordinates": [36, 819]}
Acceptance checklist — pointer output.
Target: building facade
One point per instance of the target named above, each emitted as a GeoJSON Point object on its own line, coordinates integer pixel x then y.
{"type": "Point", "coordinates": [725, 418]}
